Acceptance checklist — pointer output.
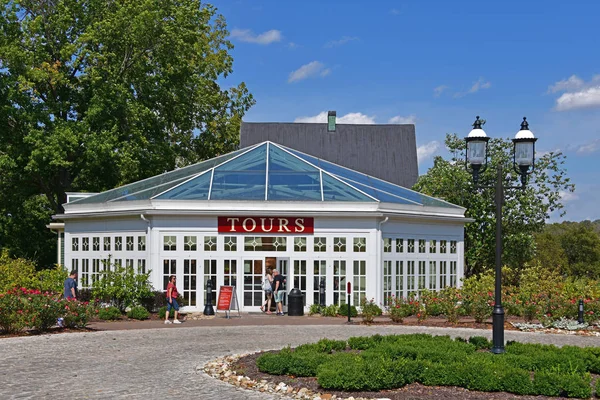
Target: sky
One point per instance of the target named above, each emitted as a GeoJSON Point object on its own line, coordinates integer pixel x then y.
{"type": "Point", "coordinates": [436, 64]}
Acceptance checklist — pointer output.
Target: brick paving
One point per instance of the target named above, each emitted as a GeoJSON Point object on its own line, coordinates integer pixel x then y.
{"type": "Point", "coordinates": [165, 361]}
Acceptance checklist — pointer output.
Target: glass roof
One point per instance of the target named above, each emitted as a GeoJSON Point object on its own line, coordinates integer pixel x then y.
{"type": "Point", "coordinates": [266, 172]}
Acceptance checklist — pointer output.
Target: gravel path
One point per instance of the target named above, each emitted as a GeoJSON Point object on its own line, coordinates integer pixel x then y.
{"type": "Point", "coordinates": [166, 363]}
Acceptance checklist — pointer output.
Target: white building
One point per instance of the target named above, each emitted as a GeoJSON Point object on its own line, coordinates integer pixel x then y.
{"type": "Point", "coordinates": [228, 218]}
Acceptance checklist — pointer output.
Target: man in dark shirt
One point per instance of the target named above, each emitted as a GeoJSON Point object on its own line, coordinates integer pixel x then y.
{"type": "Point", "coordinates": [278, 290]}
{"type": "Point", "coordinates": [70, 285]}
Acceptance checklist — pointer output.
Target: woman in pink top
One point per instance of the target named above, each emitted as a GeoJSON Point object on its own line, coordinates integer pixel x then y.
{"type": "Point", "coordinates": [172, 300]}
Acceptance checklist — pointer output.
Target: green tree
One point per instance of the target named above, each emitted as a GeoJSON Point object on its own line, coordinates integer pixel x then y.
{"type": "Point", "coordinates": [95, 94]}
{"type": "Point", "coordinates": [524, 212]}
{"type": "Point", "coordinates": [581, 245]}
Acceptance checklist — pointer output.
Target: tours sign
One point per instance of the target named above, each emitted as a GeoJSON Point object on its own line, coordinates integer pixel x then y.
{"type": "Point", "coordinates": [279, 225]}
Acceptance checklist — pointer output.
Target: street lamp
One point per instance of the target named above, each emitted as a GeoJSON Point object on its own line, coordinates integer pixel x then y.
{"type": "Point", "coordinates": [523, 164]}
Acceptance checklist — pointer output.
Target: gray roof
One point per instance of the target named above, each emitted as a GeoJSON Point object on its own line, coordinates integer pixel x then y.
{"type": "Point", "coordinates": [388, 152]}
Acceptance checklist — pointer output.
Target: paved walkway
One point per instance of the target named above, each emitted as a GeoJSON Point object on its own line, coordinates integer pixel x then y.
{"type": "Point", "coordinates": [165, 361]}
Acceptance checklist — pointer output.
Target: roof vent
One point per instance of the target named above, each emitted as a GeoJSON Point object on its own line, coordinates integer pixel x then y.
{"type": "Point", "coordinates": [331, 121]}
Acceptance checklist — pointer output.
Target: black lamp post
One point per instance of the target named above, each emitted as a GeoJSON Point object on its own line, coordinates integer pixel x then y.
{"type": "Point", "coordinates": [523, 164]}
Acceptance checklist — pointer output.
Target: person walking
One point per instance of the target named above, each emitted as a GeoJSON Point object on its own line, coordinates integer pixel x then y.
{"type": "Point", "coordinates": [268, 288]}
{"type": "Point", "coordinates": [70, 286]}
{"type": "Point", "coordinates": [278, 281]}
{"type": "Point", "coordinates": [172, 301]}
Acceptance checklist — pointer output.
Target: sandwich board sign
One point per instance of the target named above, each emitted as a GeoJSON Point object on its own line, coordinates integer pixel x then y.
{"type": "Point", "coordinates": [228, 301]}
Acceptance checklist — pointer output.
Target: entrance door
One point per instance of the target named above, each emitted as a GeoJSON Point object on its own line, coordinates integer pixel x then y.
{"type": "Point", "coordinates": [253, 277]}
{"type": "Point", "coordinates": [283, 268]}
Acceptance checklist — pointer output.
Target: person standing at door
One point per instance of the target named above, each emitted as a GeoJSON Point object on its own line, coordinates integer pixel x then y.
{"type": "Point", "coordinates": [278, 281]}
{"type": "Point", "coordinates": [172, 300]}
{"type": "Point", "coordinates": [268, 288]}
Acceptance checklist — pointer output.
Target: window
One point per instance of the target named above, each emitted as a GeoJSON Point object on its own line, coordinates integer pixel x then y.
{"type": "Point", "coordinates": [129, 243]}
{"type": "Point", "coordinates": [453, 246]}
{"type": "Point", "coordinates": [210, 272]}
{"type": "Point", "coordinates": [129, 264]}
{"type": "Point", "coordinates": [190, 243]}
{"type": "Point", "coordinates": [399, 245]}
{"type": "Point", "coordinates": [411, 245]}
{"type": "Point", "coordinates": [421, 276]}
{"type": "Point", "coordinates": [433, 246]}
{"type": "Point", "coordinates": [443, 271]}
{"type": "Point", "coordinates": [230, 272]}
{"type": "Point", "coordinates": [85, 244]}
{"type": "Point", "coordinates": [96, 267]}
{"type": "Point", "coordinates": [319, 273]}
{"type": "Point", "coordinates": [410, 277]}
{"type": "Point", "coordinates": [118, 243]}
{"type": "Point", "coordinates": [360, 245]}
{"type": "Point", "coordinates": [210, 243]}
{"type": "Point", "coordinates": [339, 244]}
{"type": "Point", "coordinates": [300, 244]}
{"type": "Point", "coordinates": [107, 243]}
{"type": "Point", "coordinates": [422, 247]}
{"type": "Point", "coordinates": [75, 265]}
{"type": "Point", "coordinates": [360, 281]}
{"type": "Point", "coordinates": [443, 246]}
{"type": "Point", "coordinates": [300, 276]}
{"type": "Point", "coordinates": [453, 273]}
{"type": "Point", "coordinates": [96, 244]}
{"type": "Point", "coordinates": [399, 278]}
{"type": "Point", "coordinates": [432, 275]}
{"type": "Point", "coordinates": [252, 243]}
{"type": "Point", "coordinates": [141, 269]}
{"type": "Point", "coordinates": [170, 243]}
{"type": "Point", "coordinates": [320, 245]}
{"type": "Point", "coordinates": [339, 282]}
{"type": "Point", "coordinates": [75, 244]}
{"type": "Point", "coordinates": [169, 268]}
{"type": "Point", "coordinates": [85, 272]}
{"type": "Point", "coordinates": [230, 243]}
{"type": "Point", "coordinates": [141, 243]}
{"type": "Point", "coordinates": [387, 282]}
{"type": "Point", "coordinates": [189, 281]}
{"type": "Point", "coordinates": [387, 245]}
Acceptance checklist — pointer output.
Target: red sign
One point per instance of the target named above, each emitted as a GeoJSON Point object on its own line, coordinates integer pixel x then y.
{"type": "Point", "coordinates": [225, 296]}
{"type": "Point", "coordinates": [266, 225]}
{"type": "Point", "coordinates": [349, 288]}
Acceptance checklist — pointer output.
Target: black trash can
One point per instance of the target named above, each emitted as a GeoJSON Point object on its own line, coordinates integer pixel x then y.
{"type": "Point", "coordinates": [295, 303]}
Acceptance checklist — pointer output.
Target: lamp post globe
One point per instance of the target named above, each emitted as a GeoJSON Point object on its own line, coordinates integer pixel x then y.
{"type": "Point", "coordinates": [524, 151]}
{"type": "Point", "coordinates": [476, 155]}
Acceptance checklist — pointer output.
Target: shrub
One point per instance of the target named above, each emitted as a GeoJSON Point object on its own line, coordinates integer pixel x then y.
{"type": "Point", "coordinates": [480, 342]}
{"type": "Point", "coordinates": [51, 280]}
{"type": "Point", "coordinates": [329, 346]}
{"type": "Point", "coordinates": [162, 312]}
{"type": "Point", "coordinates": [343, 311]}
{"type": "Point", "coordinates": [109, 313]}
{"type": "Point", "coordinates": [450, 304]}
{"type": "Point", "coordinates": [556, 384]}
{"type": "Point", "coordinates": [432, 303]}
{"type": "Point", "coordinates": [369, 310]}
{"type": "Point", "coordinates": [13, 311]}
{"type": "Point", "coordinates": [77, 313]}
{"type": "Point", "coordinates": [43, 309]}
{"type": "Point", "coordinates": [138, 312]}
{"type": "Point", "coordinates": [314, 309]}
{"type": "Point", "coordinates": [400, 308]}
{"type": "Point", "coordinates": [330, 311]}
{"type": "Point", "coordinates": [122, 286]}
{"type": "Point", "coordinates": [15, 272]}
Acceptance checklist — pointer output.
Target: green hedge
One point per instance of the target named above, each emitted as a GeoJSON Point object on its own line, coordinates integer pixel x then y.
{"type": "Point", "coordinates": [387, 362]}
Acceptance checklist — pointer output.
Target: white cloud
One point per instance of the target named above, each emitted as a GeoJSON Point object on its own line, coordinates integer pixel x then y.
{"type": "Point", "coordinates": [477, 86]}
{"type": "Point", "coordinates": [398, 119]}
{"type": "Point", "coordinates": [246, 35]}
{"type": "Point", "coordinates": [572, 83]}
{"type": "Point", "coordinates": [340, 42]}
{"type": "Point", "coordinates": [427, 150]}
{"type": "Point", "coordinates": [567, 196]}
{"type": "Point", "coordinates": [292, 45]}
{"type": "Point", "coordinates": [589, 148]}
{"type": "Point", "coordinates": [309, 70]}
{"type": "Point", "coordinates": [586, 98]}
{"type": "Point", "coordinates": [395, 11]}
{"type": "Point", "coordinates": [350, 118]}
{"type": "Point", "coordinates": [437, 92]}
{"type": "Point", "coordinates": [577, 93]}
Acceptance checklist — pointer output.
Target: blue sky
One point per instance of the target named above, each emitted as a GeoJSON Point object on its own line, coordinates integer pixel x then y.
{"type": "Point", "coordinates": [433, 63]}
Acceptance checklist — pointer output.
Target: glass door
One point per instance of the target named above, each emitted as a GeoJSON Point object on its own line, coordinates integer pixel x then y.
{"type": "Point", "coordinates": [283, 268]}
{"type": "Point", "coordinates": [253, 277]}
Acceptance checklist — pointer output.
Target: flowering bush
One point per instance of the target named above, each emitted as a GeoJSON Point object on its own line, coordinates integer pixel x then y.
{"type": "Point", "coordinates": [369, 310]}
{"type": "Point", "coordinates": [399, 308]}
{"type": "Point", "coordinates": [451, 303]}
{"type": "Point", "coordinates": [431, 302]}
{"type": "Point", "coordinates": [22, 308]}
